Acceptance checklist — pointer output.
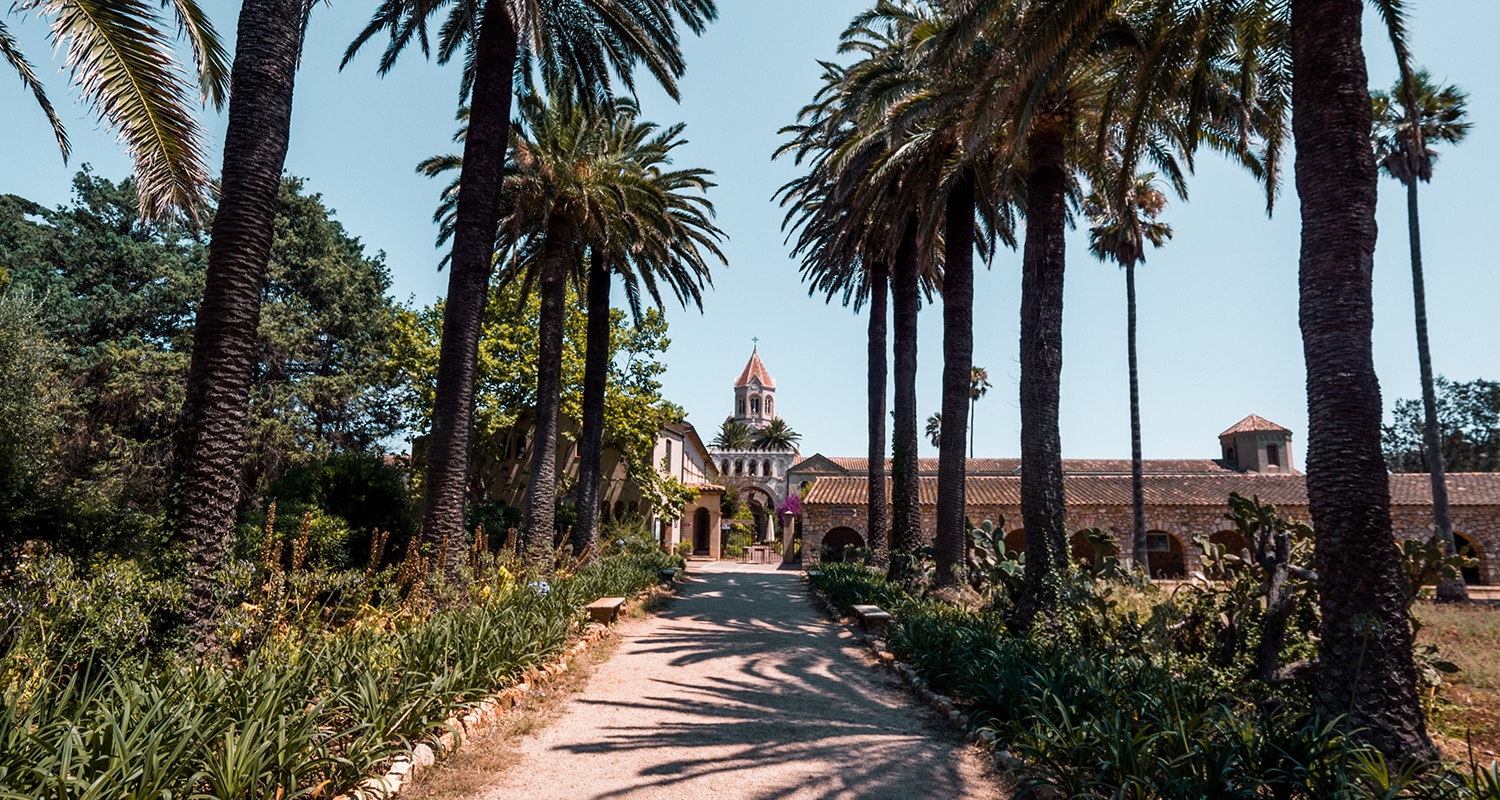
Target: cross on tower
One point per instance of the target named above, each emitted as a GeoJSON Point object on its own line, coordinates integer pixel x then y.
{"type": "Point", "coordinates": [756, 340]}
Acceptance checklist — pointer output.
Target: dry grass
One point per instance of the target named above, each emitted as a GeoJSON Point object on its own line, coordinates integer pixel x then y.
{"type": "Point", "coordinates": [471, 770]}
{"type": "Point", "coordinates": [1469, 636]}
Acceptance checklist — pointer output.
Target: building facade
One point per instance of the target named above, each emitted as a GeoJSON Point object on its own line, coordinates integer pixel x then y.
{"type": "Point", "coordinates": [760, 476]}
{"type": "Point", "coordinates": [1184, 498]}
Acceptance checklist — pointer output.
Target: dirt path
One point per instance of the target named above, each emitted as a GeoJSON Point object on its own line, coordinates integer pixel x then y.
{"type": "Point", "coordinates": [740, 689]}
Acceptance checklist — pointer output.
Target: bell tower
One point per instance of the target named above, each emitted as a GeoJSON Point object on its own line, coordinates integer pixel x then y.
{"type": "Point", "coordinates": [755, 394]}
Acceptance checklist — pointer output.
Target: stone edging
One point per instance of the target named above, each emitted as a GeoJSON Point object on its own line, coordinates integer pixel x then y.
{"type": "Point", "coordinates": [484, 717]}
{"type": "Point", "coordinates": [945, 706]}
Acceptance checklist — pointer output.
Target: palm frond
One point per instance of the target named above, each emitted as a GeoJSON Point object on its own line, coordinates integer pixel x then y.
{"type": "Point", "coordinates": [11, 50]}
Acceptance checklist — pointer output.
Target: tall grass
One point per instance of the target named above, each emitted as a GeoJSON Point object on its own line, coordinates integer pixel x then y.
{"type": "Point", "coordinates": [306, 712]}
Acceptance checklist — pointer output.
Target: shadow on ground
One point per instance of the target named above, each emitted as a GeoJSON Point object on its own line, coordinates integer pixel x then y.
{"type": "Point", "coordinates": [757, 699]}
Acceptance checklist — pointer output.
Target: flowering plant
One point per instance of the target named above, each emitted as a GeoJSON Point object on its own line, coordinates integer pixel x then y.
{"type": "Point", "coordinates": [792, 505]}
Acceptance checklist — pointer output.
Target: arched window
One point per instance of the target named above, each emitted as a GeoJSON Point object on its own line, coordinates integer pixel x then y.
{"type": "Point", "coordinates": [755, 406]}
{"type": "Point", "coordinates": [770, 404]}
{"type": "Point", "coordinates": [726, 467]}
{"type": "Point", "coordinates": [765, 468]}
{"type": "Point", "coordinates": [739, 468]}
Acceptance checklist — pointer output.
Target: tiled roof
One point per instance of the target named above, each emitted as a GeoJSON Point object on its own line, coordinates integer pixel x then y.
{"type": "Point", "coordinates": [1072, 466]}
{"type": "Point", "coordinates": [1253, 424]}
{"type": "Point", "coordinates": [704, 487]}
{"type": "Point", "coordinates": [1412, 489]}
{"type": "Point", "coordinates": [755, 369]}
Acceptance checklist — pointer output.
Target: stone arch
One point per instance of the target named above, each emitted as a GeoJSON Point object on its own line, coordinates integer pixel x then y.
{"type": "Point", "coordinates": [1232, 542]}
{"type": "Point", "coordinates": [836, 540]}
{"type": "Point", "coordinates": [1475, 575]}
{"type": "Point", "coordinates": [1168, 556]}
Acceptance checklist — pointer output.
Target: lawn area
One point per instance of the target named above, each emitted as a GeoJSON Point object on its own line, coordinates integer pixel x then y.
{"type": "Point", "coordinates": [1469, 636]}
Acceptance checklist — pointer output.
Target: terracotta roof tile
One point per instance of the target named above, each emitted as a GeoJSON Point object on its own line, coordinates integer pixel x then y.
{"type": "Point", "coordinates": [1078, 466]}
{"type": "Point", "coordinates": [1252, 424]}
{"type": "Point", "coordinates": [755, 369]}
{"type": "Point", "coordinates": [1412, 489]}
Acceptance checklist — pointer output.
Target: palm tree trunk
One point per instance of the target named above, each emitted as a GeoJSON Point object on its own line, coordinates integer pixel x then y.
{"type": "Point", "coordinates": [879, 505]}
{"type": "Point", "coordinates": [478, 211]}
{"type": "Point", "coordinates": [958, 374]}
{"type": "Point", "coordinates": [211, 438]}
{"type": "Point", "coordinates": [1138, 551]}
{"type": "Point", "coordinates": [1365, 669]}
{"type": "Point", "coordinates": [1448, 591]}
{"type": "Point", "coordinates": [541, 492]}
{"type": "Point", "coordinates": [1042, 503]}
{"type": "Point", "coordinates": [595, 383]}
{"type": "Point", "coordinates": [906, 513]}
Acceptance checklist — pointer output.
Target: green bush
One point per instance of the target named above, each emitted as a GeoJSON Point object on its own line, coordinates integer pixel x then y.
{"type": "Point", "coordinates": [365, 491]}
{"type": "Point", "coordinates": [738, 538]}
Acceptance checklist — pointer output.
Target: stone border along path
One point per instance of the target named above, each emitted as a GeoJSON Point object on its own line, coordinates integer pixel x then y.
{"type": "Point", "coordinates": [741, 688]}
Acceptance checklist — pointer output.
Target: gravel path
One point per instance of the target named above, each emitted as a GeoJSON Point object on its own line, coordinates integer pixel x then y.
{"type": "Point", "coordinates": [741, 689]}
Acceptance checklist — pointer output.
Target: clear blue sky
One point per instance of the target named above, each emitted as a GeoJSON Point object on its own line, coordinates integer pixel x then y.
{"type": "Point", "coordinates": [1218, 305]}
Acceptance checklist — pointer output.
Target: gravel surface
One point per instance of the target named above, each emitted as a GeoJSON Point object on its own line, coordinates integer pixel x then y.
{"type": "Point", "coordinates": [741, 689]}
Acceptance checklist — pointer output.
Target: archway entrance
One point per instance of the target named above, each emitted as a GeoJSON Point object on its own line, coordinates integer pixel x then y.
{"type": "Point", "coordinates": [836, 540]}
{"type": "Point", "coordinates": [1168, 559]}
{"type": "Point", "coordinates": [761, 505]}
{"type": "Point", "coordinates": [700, 532]}
{"type": "Point", "coordinates": [1473, 576]}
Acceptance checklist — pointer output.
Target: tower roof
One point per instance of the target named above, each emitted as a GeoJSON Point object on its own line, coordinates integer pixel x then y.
{"type": "Point", "coordinates": [1254, 424]}
{"type": "Point", "coordinates": [755, 369]}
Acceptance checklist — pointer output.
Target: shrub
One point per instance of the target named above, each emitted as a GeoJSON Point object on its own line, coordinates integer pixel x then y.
{"type": "Point", "coordinates": [738, 538]}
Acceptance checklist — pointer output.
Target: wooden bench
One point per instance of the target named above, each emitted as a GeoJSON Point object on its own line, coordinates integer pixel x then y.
{"type": "Point", "coordinates": [873, 618]}
{"type": "Point", "coordinates": [605, 610]}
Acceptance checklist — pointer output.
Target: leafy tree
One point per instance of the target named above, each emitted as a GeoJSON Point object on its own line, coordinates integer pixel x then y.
{"type": "Point", "coordinates": [1468, 414]}
{"type": "Point", "coordinates": [574, 45]}
{"type": "Point", "coordinates": [505, 394]}
{"type": "Point", "coordinates": [118, 297]}
{"type": "Point", "coordinates": [734, 435]}
{"type": "Point", "coordinates": [29, 390]}
{"type": "Point", "coordinates": [121, 58]}
{"type": "Point", "coordinates": [1414, 114]}
{"type": "Point", "coordinates": [777, 436]}
{"type": "Point", "coordinates": [1120, 233]}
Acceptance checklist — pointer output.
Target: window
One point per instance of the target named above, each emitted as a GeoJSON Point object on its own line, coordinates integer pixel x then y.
{"type": "Point", "coordinates": [765, 468]}
{"type": "Point", "coordinates": [1229, 454]}
{"type": "Point", "coordinates": [669, 455]}
{"type": "Point", "coordinates": [739, 407]}
{"type": "Point", "coordinates": [1273, 455]}
{"type": "Point", "coordinates": [769, 401]}
{"type": "Point", "coordinates": [739, 468]}
{"type": "Point", "coordinates": [755, 406]}
{"type": "Point", "coordinates": [725, 470]}
{"type": "Point", "coordinates": [1158, 543]}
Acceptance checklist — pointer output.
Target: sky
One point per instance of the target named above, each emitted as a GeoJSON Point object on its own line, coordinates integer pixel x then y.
{"type": "Point", "coordinates": [1218, 335]}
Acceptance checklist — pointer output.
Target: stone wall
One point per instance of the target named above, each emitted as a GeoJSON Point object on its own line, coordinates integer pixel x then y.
{"type": "Point", "coordinates": [1480, 524]}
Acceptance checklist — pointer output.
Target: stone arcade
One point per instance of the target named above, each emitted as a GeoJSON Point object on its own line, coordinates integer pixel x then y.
{"type": "Point", "coordinates": [1184, 498]}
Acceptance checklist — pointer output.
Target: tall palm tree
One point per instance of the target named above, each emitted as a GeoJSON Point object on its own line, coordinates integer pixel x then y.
{"type": "Point", "coordinates": [934, 428]}
{"type": "Point", "coordinates": [1441, 113]}
{"type": "Point", "coordinates": [574, 45]}
{"type": "Point", "coordinates": [777, 436]}
{"type": "Point", "coordinates": [1120, 233]}
{"type": "Point", "coordinates": [1365, 669]}
{"type": "Point", "coordinates": [597, 181]}
{"type": "Point", "coordinates": [979, 386]}
{"type": "Point", "coordinates": [120, 56]}
{"type": "Point", "coordinates": [211, 436]}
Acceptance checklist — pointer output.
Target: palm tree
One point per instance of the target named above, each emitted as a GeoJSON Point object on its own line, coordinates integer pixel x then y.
{"type": "Point", "coordinates": [777, 436]}
{"type": "Point", "coordinates": [979, 386]}
{"type": "Point", "coordinates": [211, 437]}
{"type": "Point", "coordinates": [1120, 233]}
{"type": "Point", "coordinates": [595, 181]}
{"type": "Point", "coordinates": [935, 428]}
{"type": "Point", "coordinates": [1441, 113]}
{"type": "Point", "coordinates": [734, 435]}
{"type": "Point", "coordinates": [1365, 669]}
{"type": "Point", "coordinates": [574, 45]}
{"type": "Point", "coordinates": [120, 56]}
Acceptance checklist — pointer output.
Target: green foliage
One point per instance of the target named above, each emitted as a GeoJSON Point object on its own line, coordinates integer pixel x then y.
{"type": "Point", "coordinates": [28, 392]}
{"type": "Point", "coordinates": [1469, 417]}
{"type": "Point", "coordinates": [1003, 570]}
{"type": "Point", "coordinates": [365, 492]}
{"type": "Point", "coordinates": [350, 670]}
{"type": "Point", "coordinates": [739, 538]}
{"type": "Point", "coordinates": [117, 298]}
{"type": "Point", "coordinates": [505, 391]}
{"type": "Point", "coordinates": [1121, 712]}
{"type": "Point", "coordinates": [729, 503]}
{"type": "Point", "coordinates": [733, 435]}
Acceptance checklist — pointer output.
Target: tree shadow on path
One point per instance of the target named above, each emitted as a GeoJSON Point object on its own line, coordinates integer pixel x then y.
{"type": "Point", "coordinates": [756, 698]}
